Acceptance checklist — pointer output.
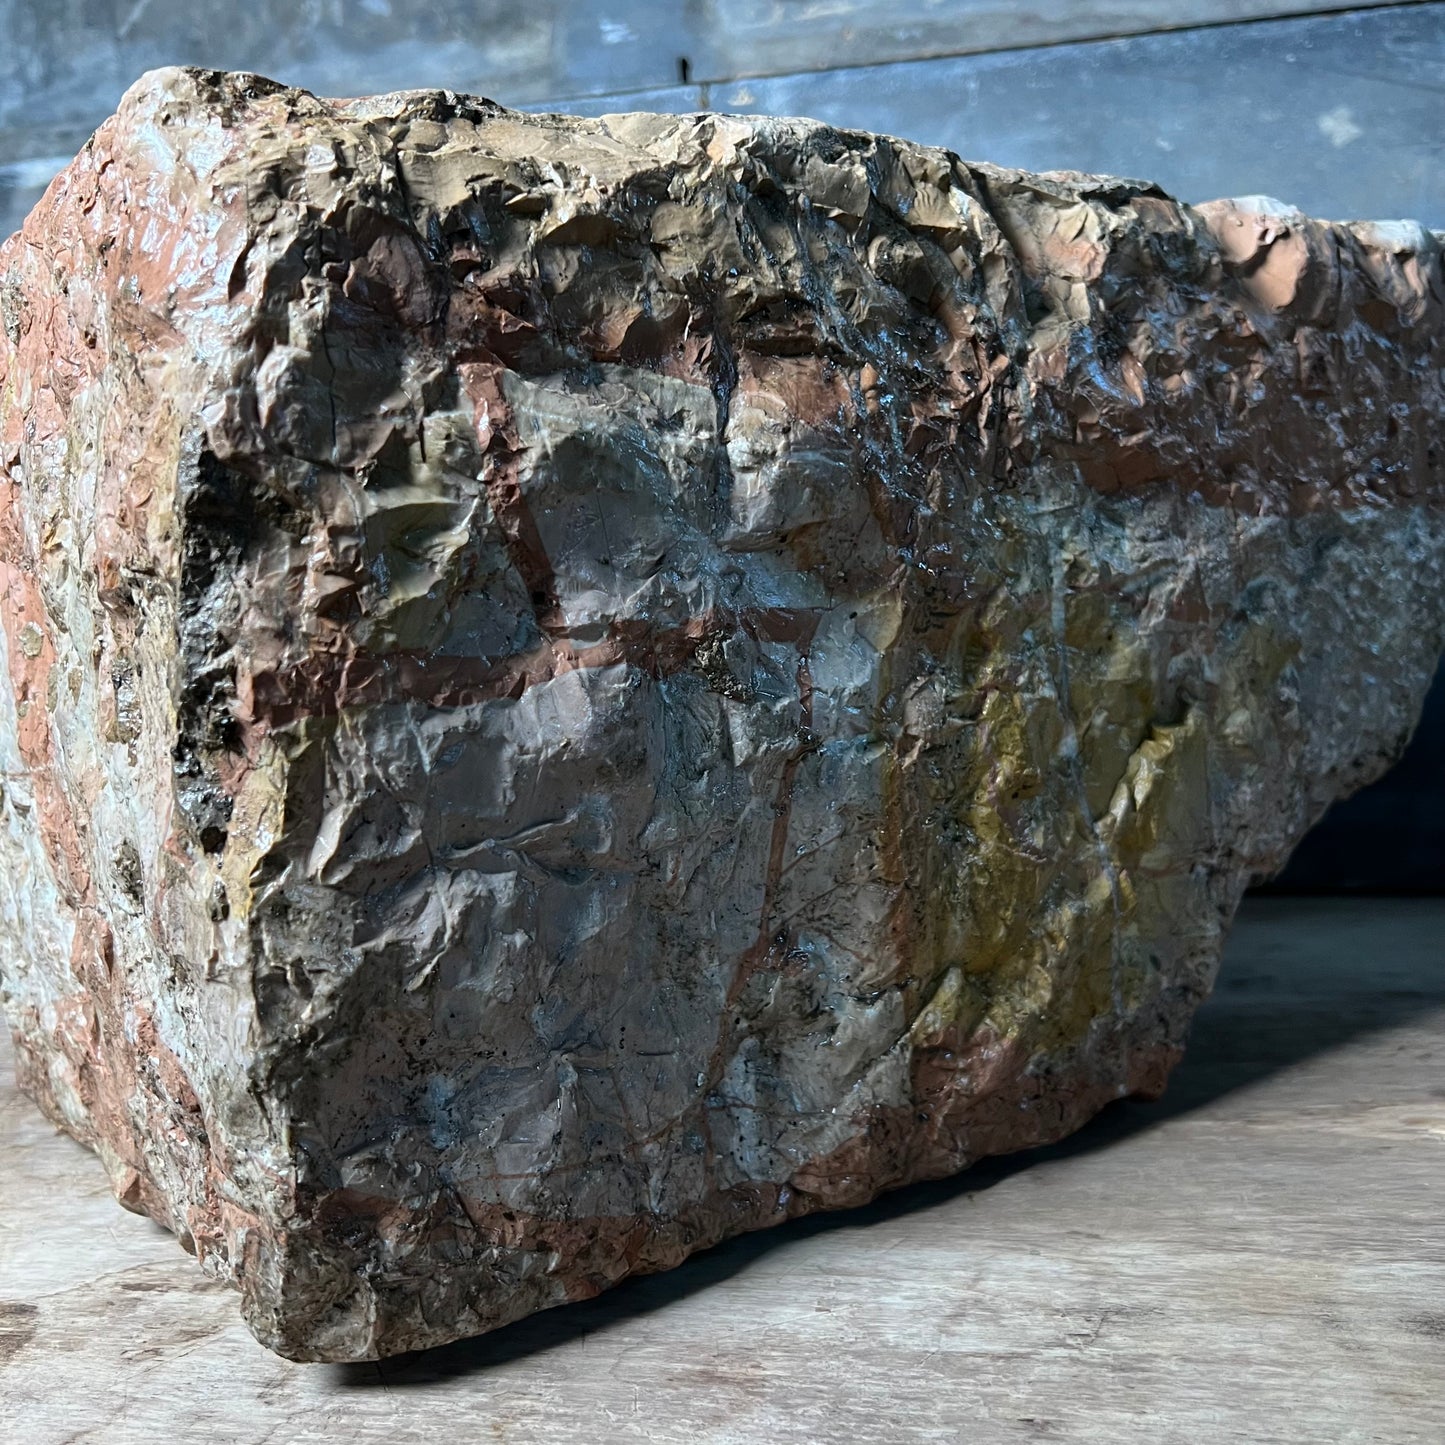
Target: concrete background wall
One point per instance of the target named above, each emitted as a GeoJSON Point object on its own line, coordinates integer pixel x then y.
{"type": "Point", "coordinates": [1337, 109]}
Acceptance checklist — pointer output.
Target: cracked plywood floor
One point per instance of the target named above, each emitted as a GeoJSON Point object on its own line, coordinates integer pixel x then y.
{"type": "Point", "coordinates": [1259, 1256]}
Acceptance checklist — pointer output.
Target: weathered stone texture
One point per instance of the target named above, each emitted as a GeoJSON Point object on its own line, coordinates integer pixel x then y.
{"type": "Point", "coordinates": [575, 687]}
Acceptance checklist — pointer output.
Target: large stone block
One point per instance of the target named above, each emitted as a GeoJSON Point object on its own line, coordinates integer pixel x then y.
{"type": "Point", "coordinates": [572, 688]}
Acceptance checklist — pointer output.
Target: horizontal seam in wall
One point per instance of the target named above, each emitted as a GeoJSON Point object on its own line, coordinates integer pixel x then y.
{"type": "Point", "coordinates": [1104, 37]}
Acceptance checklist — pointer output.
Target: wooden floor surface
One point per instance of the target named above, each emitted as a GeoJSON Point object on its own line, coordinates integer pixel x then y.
{"type": "Point", "coordinates": [1258, 1257]}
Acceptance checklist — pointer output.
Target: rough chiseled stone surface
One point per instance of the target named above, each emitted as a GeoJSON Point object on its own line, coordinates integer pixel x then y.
{"type": "Point", "coordinates": [571, 688]}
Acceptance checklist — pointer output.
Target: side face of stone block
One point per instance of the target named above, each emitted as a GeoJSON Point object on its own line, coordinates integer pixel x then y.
{"type": "Point", "coordinates": [572, 688]}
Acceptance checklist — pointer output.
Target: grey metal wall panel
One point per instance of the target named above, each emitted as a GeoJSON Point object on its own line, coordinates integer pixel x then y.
{"type": "Point", "coordinates": [771, 37]}
{"type": "Point", "coordinates": [66, 61]}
